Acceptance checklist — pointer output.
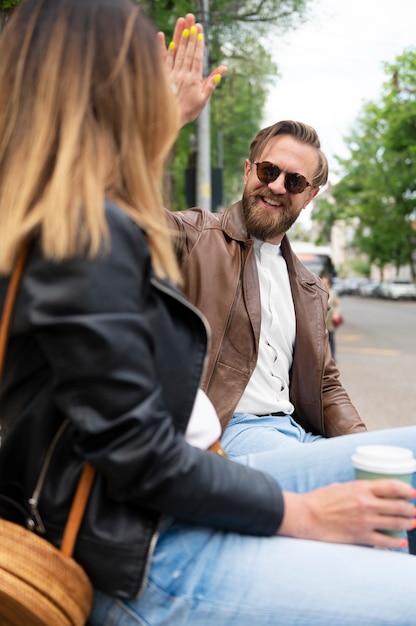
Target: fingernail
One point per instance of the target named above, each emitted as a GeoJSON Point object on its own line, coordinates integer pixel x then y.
{"type": "Point", "coordinates": [172, 45]}
{"type": "Point", "coordinates": [413, 496]}
{"type": "Point", "coordinates": [404, 543]}
{"type": "Point", "coordinates": [217, 78]}
{"type": "Point", "coordinates": [200, 37]}
{"type": "Point", "coordinates": [185, 33]}
{"type": "Point", "coordinates": [414, 523]}
{"type": "Point", "coordinates": [193, 30]}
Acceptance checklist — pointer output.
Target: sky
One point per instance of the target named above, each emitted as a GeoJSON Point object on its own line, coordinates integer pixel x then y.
{"type": "Point", "coordinates": [330, 66]}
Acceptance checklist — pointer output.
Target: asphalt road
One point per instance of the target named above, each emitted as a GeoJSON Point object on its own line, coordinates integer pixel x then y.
{"type": "Point", "coordinates": [376, 355]}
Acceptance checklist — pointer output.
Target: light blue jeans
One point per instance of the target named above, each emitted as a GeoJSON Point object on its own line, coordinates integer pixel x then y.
{"type": "Point", "coordinates": [203, 577]}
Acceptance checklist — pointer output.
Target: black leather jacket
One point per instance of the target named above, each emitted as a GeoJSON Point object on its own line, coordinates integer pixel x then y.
{"type": "Point", "coordinates": [103, 365]}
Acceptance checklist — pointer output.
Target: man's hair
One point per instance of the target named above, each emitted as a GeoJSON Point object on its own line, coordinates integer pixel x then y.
{"type": "Point", "coordinates": [299, 131]}
{"type": "Point", "coordinates": [86, 112]}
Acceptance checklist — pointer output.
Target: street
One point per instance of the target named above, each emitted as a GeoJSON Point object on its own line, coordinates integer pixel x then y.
{"type": "Point", "coordinates": [376, 355]}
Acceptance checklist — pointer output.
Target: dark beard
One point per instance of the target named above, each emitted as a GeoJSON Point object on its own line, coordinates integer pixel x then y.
{"type": "Point", "coordinates": [265, 225]}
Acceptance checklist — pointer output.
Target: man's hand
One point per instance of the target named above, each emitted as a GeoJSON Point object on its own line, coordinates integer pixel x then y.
{"type": "Point", "coordinates": [352, 512]}
{"type": "Point", "coordinates": [184, 60]}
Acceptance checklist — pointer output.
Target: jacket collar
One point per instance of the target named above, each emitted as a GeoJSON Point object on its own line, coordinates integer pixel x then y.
{"type": "Point", "coordinates": [233, 222]}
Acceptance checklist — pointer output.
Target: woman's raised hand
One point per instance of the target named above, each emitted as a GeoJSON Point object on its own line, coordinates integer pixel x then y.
{"type": "Point", "coordinates": [184, 58]}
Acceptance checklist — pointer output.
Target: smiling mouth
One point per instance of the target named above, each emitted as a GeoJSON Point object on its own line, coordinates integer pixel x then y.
{"type": "Point", "coordinates": [275, 204]}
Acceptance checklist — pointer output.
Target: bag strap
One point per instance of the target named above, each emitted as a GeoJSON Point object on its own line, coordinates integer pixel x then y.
{"type": "Point", "coordinates": [84, 486]}
{"type": "Point", "coordinates": [78, 507]}
{"type": "Point", "coordinates": [9, 304]}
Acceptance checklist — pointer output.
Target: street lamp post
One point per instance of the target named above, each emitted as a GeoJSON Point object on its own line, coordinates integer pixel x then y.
{"type": "Point", "coordinates": [203, 134]}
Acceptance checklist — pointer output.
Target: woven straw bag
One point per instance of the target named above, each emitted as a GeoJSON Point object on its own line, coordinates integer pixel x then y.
{"type": "Point", "coordinates": [39, 584]}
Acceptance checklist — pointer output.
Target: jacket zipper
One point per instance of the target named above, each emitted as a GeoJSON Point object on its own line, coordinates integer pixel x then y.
{"type": "Point", "coordinates": [35, 523]}
{"type": "Point", "coordinates": [152, 545]}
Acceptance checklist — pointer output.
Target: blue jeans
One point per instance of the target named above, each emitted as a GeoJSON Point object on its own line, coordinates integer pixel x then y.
{"type": "Point", "coordinates": [202, 577]}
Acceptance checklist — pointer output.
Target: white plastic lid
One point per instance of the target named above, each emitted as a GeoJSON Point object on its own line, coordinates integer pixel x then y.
{"type": "Point", "coordinates": [384, 459]}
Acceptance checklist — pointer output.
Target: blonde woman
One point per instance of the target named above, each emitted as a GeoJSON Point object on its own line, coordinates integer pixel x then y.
{"type": "Point", "coordinates": [105, 359]}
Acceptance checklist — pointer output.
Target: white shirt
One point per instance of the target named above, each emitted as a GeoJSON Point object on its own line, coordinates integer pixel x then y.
{"type": "Point", "coordinates": [204, 426]}
{"type": "Point", "coordinates": [268, 388]}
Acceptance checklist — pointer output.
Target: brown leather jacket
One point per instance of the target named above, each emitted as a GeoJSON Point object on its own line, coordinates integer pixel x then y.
{"type": "Point", "coordinates": [220, 278]}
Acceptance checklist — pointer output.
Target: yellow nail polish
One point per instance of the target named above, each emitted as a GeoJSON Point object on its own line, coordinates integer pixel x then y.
{"type": "Point", "coordinates": [200, 37]}
{"type": "Point", "coordinates": [172, 45]}
{"type": "Point", "coordinates": [217, 78]}
{"type": "Point", "coordinates": [185, 33]}
{"type": "Point", "coordinates": [193, 30]}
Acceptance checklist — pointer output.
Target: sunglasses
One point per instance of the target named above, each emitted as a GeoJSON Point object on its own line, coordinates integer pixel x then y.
{"type": "Point", "coordinates": [268, 172]}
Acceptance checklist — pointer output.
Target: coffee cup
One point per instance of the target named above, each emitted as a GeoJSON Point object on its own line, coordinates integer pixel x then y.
{"type": "Point", "coordinates": [372, 462]}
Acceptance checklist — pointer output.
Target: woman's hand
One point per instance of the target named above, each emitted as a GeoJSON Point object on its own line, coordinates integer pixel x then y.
{"type": "Point", "coordinates": [184, 60]}
{"type": "Point", "coordinates": [351, 512]}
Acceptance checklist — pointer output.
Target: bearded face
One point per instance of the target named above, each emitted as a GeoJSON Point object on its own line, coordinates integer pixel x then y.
{"type": "Point", "coordinates": [264, 224]}
{"type": "Point", "coordinates": [269, 208]}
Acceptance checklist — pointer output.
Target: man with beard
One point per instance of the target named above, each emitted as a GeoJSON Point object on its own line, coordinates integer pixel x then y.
{"type": "Point", "coordinates": [270, 374]}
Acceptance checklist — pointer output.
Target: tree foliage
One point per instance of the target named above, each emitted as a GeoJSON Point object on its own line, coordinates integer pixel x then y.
{"type": "Point", "coordinates": [8, 5]}
{"type": "Point", "coordinates": [378, 186]}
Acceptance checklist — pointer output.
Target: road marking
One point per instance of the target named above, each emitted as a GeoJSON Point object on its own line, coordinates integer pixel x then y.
{"type": "Point", "coordinates": [379, 351]}
{"type": "Point", "coordinates": [362, 350]}
{"type": "Point", "coordinates": [348, 338]}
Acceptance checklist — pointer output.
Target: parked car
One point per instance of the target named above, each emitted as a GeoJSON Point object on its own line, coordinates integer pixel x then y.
{"type": "Point", "coordinates": [352, 285]}
{"type": "Point", "coordinates": [398, 288]}
{"type": "Point", "coordinates": [368, 287]}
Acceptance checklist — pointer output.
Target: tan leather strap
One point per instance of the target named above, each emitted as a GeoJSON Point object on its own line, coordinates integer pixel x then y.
{"type": "Point", "coordinates": [87, 476]}
{"type": "Point", "coordinates": [9, 304]}
{"type": "Point", "coordinates": [76, 513]}
{"type": "Point", "coordinates": [217, 448]}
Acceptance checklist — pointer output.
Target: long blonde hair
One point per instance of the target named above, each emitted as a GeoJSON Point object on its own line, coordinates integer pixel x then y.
{"type": "Point", "coordinates": [86, 112]}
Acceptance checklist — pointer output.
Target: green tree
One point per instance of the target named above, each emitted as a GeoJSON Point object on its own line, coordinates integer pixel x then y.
{"type": "Point", "coordinates": [378, 185]}
{"type": "Point", "coordinates": [8, 5]}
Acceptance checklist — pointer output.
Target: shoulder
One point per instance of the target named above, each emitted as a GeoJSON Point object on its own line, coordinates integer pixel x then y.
{"type": "Point", "coordinates": [196, 217]}
{"type": "Point", "coordinates": [192, 228]}
{"type": "Point", "coordinates": [121, 224]}
{"type": "Point", "coordinates": [127, 238]}
{"type": "Point", "coordinates": [229, 222]}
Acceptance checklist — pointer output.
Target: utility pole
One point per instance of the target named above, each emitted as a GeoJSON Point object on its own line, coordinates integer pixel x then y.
{"type": "Point", "coordinates": [203, 134]}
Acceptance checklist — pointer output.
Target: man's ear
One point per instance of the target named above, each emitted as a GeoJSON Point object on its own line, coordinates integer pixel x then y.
{"type": "Point", "coordinates": [312, 193]}
{"type": "Point", "coordinates": [247, 169]}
